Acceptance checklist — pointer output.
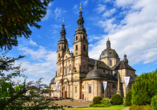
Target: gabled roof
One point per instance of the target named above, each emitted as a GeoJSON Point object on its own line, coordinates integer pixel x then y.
{"type": "Point", "coordinates": [122, 65]}
{"type": "Point", "coordinates": [101, 64]}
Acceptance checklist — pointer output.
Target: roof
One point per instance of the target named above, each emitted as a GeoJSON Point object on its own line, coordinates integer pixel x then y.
{"type": "Point", "coordinates": [52, 81]}
{"type": "Point", "coordinates": [122, 65]}
{"type": "Point", "coordinates": [101, 64]}
{"type": "Point", "coordinates": [108, 52]}
{"type": "Point", "coordinates": [96, 74]}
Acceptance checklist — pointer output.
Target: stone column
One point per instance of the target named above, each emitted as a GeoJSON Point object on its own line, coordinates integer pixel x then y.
{"type": "Point", "coordinates": [118, 86]}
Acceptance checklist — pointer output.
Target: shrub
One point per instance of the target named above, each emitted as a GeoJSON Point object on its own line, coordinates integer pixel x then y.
{"type": "Point", "coordinates": [98, 105]}
{"type": "Point", "coordinates": [116, 99]}
{"type": "Point", "coordinates": [144, 88]}
{"type": "Point", "coordinates": [91, 105]}
{"type": "Point", "coordinates": [128, 98]}
{"type": "Point", "coordinates": [96, 100]}
{"type": "Point", "coordinates": [154, 102]}
{"type": "Point", "coordinates": [105, 101]}
{"type": "Point", "coordinates": [140, 107]}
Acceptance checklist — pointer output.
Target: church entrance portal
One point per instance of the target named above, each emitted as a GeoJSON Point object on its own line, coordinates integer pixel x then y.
{"type": "Point", "coordinates": [82, 96]}
{"type": "Point", "coordinates": [65, 94]}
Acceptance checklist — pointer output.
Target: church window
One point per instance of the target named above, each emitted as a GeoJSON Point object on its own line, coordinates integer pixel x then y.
{"type": "Point", "coordinates": [65, 71]}
{"type": "Point", "coordinates": [90, 89]}
{"type": "Point", "coordinates": [92, 68]}
{"type": "Point", "coordinates": [66, 57]}
{"type": "Point", "coordinates": [104, 71]}
{"type": "Point", "coordinates": [110, 62]}
{"type": "Point", "coordinates": [59, 47]}
{"type": "Point", "coordinates": [110, 54]}
{"type": "Point", "coordinates": [76, 38]}
{"type": "Point", "coordinates": [84, 47]}
{"type": "Point", "coordinates": [84, 38]}
{"type": "Point", "coordinates": [59, 55]}
{"type": "Point", "coordinates": [130, 85]}
{"type": "Point", "coordinates": [130, 77]}
{"type": "Point", "coordinates": [82, 87]}
{"type": "Point", "coordinates": [113, 86]}
{"type": "Point", "coordinates": [107, 75]}
{"type": "Point", "coordinates": [115, 73]}
{"type": "Point", "coordinates": [64, 47]}
{"type": "Point", "coordinates": [70, 67]}
{"type": "Point", "coordinates": [76, 47]}
{"type": "Point", "coordinates": [102, 88]}
{"type": "Point", "coordinates": [75, 89]}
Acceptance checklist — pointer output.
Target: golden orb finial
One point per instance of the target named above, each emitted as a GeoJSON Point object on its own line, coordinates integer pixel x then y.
{"type": "Point", "coordinates": [63, 19]}
{"type": "Point", "coordinates": [80, 6]}
{"type": "Point", "coordinates": [108, 38]}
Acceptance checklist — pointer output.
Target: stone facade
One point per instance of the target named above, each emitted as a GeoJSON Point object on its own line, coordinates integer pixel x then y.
{"type": "Point", "coordinates": [72, 69]}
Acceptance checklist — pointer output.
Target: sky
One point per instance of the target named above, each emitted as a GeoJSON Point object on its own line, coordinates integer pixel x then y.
{"type": "Point", "coordinates": [131, 26]}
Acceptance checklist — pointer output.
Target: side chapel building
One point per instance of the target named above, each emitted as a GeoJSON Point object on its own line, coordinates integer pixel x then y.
{"type": "Point", "coordinates": [82, 77]}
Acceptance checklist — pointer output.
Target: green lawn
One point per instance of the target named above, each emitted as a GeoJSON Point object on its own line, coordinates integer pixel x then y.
{"type": "Point", "coordinates": [113, 107]}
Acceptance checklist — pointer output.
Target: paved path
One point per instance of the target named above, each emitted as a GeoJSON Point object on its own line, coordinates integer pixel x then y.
{"type": "Point", "coordinates": [126, 108]}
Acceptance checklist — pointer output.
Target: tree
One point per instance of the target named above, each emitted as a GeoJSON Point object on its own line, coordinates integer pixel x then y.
{"type": "Point", "coordinates": [19, 100]}
{"type": "Point", "coordinates": [15, 16]}
{"type": "Point", "coordinates": [18, 87]}
{"type": "Point", "coordinates": [144, 88]}
{"type": "Point", "coordinates": [4, 86]}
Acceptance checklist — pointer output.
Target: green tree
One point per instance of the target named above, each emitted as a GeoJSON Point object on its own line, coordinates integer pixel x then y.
{"type": "Point", "coordinates": [19, 100]}
{"type": "Point", "coordinates": [4, 86]}
{"type": "Point", "coordinates": [18, 87]}
{"type": "Point", "coordinates": [15, 16]}
{"type": "Point", "coordinates": [144, 88]}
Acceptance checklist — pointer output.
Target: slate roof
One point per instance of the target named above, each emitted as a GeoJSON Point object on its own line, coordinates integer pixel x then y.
{"type": "Point", "coordinates": [122, 65]}
{"type": "Point", "coordinates": [101, 64]}
{"type": "Point", "coordinates": [109, 53]}
{"type": "Point", "coordinates": [52, 81]}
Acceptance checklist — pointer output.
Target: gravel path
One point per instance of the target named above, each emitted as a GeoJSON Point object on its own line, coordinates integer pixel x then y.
{"type": "Point", "coordinates": [126, 108]}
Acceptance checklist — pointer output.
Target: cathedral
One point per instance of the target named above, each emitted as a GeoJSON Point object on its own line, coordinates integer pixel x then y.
{"type": "Point", "coordinates": [81, 77]}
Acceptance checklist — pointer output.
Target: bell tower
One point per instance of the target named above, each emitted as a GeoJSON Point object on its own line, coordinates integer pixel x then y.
{"type": "Point", "coordinates": [80, 46]}
{"type": "Point", "coordinates": [62, 43]}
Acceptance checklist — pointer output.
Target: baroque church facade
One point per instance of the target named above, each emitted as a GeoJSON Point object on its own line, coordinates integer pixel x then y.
{"type": "Point", "coordinates": [81, 77]}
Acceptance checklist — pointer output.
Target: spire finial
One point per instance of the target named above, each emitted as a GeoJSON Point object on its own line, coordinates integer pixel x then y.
{"type": "Point", "coordinates": [108, 38]}
{"type": "Point", "coordinates": [63, 20]}
{"type": "Point", "coordinates": [96, 65]}
{"type": "Point", "coordinates": [80, 7]}
{"type": "Point", "coordinates": [124, 52]}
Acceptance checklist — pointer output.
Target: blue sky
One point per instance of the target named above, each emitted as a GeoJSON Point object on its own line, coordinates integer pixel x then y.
{"type": "Point", "coordinates": [131, 26]}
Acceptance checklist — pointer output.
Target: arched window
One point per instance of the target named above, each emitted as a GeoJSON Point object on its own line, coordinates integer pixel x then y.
{"type": "Point", "coordinates": [59, 47]}
{"type": "Point", "coordinates": [110, 62]}
{"type": "Point", "coordinates": [70, 67]}
{"type": "Point", "coordinates": [84, 37]}
{"type": "Point", "coordinates": [76, 47]}
{"type": "Point", "coordinates": [75, 89]}
{"type": "Point", "coordinates": [76, 38]}
{"type": "Point", "coordinates": [90, 89]}
{"type": "Point", "coordinates": [110, 54]}
{"type": "Point", "coordinates": [64, 47]}
{"type": "Point", "coordinates": [84, 47]}
{"type": "Point", "coordinates": [130, 77]}
{"type": "Point", "coordinates": [59, 55]}
{"type": "Point", "coordinates": [115, 73]}
{"type": "Point", "coordinates": [65, 71]}
{"type": "Point", "coordinates": [102, 88]}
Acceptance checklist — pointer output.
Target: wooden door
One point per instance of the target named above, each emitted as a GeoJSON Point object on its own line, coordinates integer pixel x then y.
{"type": "Point", "coordinates": [65, 94]}
{"type": "Point", "coordinates": [82, 96]}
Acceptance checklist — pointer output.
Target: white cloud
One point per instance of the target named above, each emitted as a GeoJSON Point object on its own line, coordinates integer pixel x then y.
{"type": "Point", "coordinates": [41, 63]}
{"type": "Point", "coordinates": [109, 12]}
{"type": "Point", "coordinates": [59, 12]}
{"type": "Point", "coordinates": [32, 43]}
{"type": "Point", "coordinates": [84, 3]}
{"type": "Point", "coordinates": [48, 14]}
{"type": "Point", "coordinates": [55, 26]}
{"type": "Point", "coordinates": [93, 37]}
{"type": "Point", "coordinates": [76, 9]}
{"type": "Point", "coordinates": [100, 8]}
{"type": "Point", "coordinates": [135, 34]}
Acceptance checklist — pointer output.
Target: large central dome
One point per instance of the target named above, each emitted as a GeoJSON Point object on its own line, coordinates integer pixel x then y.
{"type": "Point", "coordinates": [108, 52]}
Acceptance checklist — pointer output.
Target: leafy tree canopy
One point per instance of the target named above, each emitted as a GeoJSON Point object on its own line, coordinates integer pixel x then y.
{"type": "Point", "coordinates": [15, 15]}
